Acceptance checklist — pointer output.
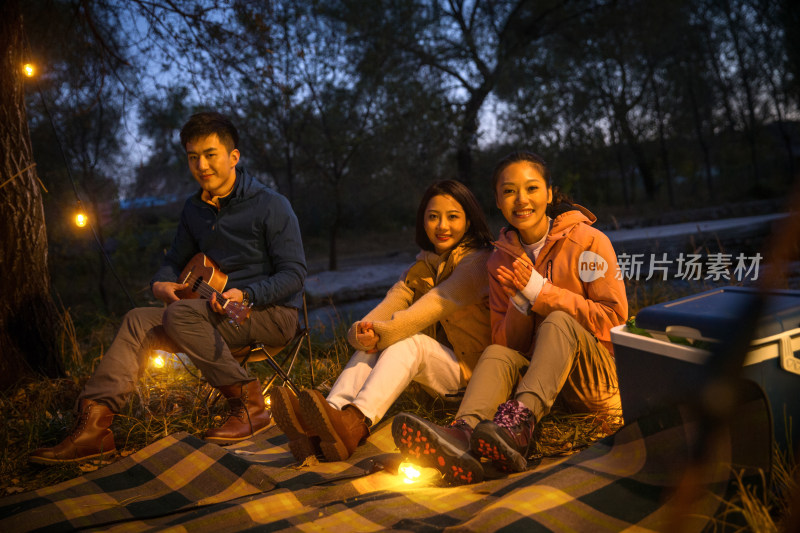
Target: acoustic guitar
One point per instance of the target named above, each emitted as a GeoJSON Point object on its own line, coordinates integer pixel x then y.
{"type": "Point", "coordinates": [205, 279]}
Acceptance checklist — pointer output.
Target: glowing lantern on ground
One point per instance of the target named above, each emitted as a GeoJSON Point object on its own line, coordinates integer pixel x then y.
{"type": "Point", "coordinates": [410, 471]}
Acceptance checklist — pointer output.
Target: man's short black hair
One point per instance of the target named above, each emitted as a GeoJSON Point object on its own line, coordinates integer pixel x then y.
{"type": "Point", "coordinates": [207, 123]}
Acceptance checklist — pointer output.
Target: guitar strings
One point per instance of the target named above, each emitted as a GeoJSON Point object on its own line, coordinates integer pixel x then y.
{"type": "Point", "coordinates": [204, 289]}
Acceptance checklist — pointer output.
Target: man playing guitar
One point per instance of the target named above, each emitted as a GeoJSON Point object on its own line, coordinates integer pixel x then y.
{"type": "Point", "coordinates": [252, 234]}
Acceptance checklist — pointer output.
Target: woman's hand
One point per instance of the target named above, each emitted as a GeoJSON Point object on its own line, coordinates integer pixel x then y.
{"type": "Point", "coordinates": [516, 278]}
{"type": "Point", "coordinates": [506, 279]}
{"type": "Point", "coordinates": [522, 272]}
{"type": "Point", "coordinates": [367, 337]}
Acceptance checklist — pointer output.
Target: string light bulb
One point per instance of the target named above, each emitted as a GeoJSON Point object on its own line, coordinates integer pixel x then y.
{"type": "Point", "coordinates": [81, 219]}
{"type": "Point", "coordinates": [28, 69]}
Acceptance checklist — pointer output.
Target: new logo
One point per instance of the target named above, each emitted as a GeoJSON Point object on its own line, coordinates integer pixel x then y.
{"type": "Point", "coordinates": [591, 266]}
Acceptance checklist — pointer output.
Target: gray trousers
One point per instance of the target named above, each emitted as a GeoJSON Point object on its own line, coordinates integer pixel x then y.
{"type": "Point", "coordinates": [191, 327]}
{"type": "Point", "coordinates": [568, 364]}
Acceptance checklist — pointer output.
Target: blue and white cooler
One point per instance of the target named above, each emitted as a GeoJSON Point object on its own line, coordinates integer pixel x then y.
{"type": "Point", "coordinates": [660, 370]}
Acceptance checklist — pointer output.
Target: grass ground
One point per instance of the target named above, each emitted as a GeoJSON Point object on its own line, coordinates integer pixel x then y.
{"type": "Point", "coordinates": [174, 398]}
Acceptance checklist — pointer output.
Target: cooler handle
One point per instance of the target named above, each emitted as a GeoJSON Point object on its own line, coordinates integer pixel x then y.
{"type": "Point", "coordinates": [789, 362]}
{"type": "Point", "coordinates": [686, 332]}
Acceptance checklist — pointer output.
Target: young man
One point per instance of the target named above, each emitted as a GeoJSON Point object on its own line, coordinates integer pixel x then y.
{"type": "Point", "coordinates": [252, 234]}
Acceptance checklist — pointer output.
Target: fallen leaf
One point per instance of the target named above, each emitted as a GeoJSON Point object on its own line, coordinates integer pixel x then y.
{"type": "Point", "coordinates": [311, 460]}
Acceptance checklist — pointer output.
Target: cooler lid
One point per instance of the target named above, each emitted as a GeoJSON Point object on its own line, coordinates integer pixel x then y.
{"type": "Point", "coordinates": [713, 314]}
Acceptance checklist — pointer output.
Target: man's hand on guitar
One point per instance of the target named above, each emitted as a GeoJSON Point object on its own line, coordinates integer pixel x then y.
{"type": "Point", "coordinates": [234, 295]}
{"type": "Point", "coordinates": [165, 290]}
{"type": "Point", "coordinates": [206, 281]}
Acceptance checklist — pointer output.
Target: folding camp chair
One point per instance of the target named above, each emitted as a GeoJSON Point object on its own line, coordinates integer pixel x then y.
{"type": "Point", "coordinates": [259, 351]}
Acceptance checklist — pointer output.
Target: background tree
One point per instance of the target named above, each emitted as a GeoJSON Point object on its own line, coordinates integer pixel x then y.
{"type": "Point", "coordinates": [28, 317]}
{"type": "Point", "coordinates": [163, 173]}
{"type": "Point", "coordinates": [342, 112]}
{"type": "Point", "coordinates": [89, 134]}
{"type": "Point", "coordinates": [326, 132]}
{"type": "Point", "coordinates": [77, 135]}
{"type": "Point", "coordinates": [272, 92]}
{"type": "Point", "coordinates": [471, 45]}
{"type": "Point", "coordinates": [789, 23]}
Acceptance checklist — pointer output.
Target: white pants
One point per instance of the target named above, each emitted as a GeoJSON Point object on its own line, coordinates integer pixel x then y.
{"type": "Point", "coordinates": [373, 381]}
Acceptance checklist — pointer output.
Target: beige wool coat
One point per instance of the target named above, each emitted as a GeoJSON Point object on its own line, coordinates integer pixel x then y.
{"type": "Point", "coordinates": [447, 294]}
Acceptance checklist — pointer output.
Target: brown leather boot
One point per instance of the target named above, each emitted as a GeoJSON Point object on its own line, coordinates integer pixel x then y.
{"type": "Point", "coordinates": [248, 415]}
{"type": "Point", "coordinates": [91, 438]}
{"type": "Point", "coordinates": [303, 442]}
{"type": "Point", "coordinates": [340, 432]}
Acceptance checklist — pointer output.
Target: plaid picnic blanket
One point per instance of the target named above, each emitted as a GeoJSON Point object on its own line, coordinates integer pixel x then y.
{"type": "Point", "coordinates": [181, 483]}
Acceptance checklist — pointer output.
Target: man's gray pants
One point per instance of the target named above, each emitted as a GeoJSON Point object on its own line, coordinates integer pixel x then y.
{"type": "Point", "coordinates": [191, 327]}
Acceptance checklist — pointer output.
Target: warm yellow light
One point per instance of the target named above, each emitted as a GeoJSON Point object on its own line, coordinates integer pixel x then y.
{"type": "Point", "coordinates": [81, 220]}
{"type": "Point", "coordinates": [28, 69]}
{"type": "Point", "coordinates": [267, 401]}
{"type": "Point", "coordinates": [410, 471]}
{"type": "Point", "coordinates": [158, 361]}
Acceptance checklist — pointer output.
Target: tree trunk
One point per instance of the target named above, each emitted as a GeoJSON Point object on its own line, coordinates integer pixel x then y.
{"type": "Point", "coordinates": [94, 214]}
{"type": "Point", "coordinates": [468, 133]}
{"type": "Point", "coordinates": [333, 260]}
{"type": "Point", "coordinates": [725, 98]}
{"type": "Point", "coordinates": [781, 123]}
{"type": "Point", "coordinates": [698, 131]}
{"type": "Point", "coordinates": [101, 264]}
{"type": "Point", "coordinates": [787, 145]}
{"type": "Point", "coordinates": [662, 141]}
{"type": "Point", "coordinates": [621, 162]}
{"type": "Point", "coordinates": [744, 77]}
{"type": "Point", "coordinates": [28, 317]}
{"type": "Point", "coordinates": [287, 185]}
{"type": "Point", "coordinates": [638, 153]}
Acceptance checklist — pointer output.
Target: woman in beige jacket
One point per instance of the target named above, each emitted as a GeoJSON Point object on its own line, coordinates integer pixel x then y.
{"type": "Point", "coordinates": [431, 328]}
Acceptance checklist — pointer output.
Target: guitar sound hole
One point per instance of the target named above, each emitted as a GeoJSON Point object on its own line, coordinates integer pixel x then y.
{"type": "Point", "coordinates": [197, 283]}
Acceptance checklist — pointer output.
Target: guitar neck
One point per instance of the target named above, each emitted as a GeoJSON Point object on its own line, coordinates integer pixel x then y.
{"type": "Point", "coordinates": [220, 299]}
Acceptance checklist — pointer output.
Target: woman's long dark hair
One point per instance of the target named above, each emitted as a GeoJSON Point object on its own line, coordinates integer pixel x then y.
{"type": "Point", "coordinates": [477, 234]}
{"type": "Point", "coordinates": [561, 202]}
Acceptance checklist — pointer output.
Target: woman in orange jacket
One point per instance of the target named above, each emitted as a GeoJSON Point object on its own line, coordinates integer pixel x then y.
{"type": "Point", "coordinates": [555, 294]}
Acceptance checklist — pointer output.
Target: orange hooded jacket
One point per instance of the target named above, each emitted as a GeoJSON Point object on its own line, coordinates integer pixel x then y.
{"type": "Point", "coordinates": [573, 260]}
